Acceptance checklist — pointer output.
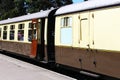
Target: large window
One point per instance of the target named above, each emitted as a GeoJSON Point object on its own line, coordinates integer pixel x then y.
{"type": "Point", "coordinates": [21, 32]}
{"type": "Point", "coordinates": [5, 32]}
{"type": "Point", "coordinates": [12, 32]}
{"type": "Point", "coordinates": [66, 31]}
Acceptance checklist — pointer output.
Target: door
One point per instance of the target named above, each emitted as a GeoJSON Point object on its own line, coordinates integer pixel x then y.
{"type": "Point", "coordinates": [85, 47]}
{"type": "Point", "coordinates": [34, 38]}
{"type": "Point", "coordinates": [40, 40]}
{"type": "Point", "coordinates": [84, 30]}
{"type": "Point", "coordinates": [37, 48]}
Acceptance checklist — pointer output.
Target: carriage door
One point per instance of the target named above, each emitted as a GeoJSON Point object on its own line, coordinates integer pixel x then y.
{"type": "Point", "coordinates": [38, 39]}
{"type": "Point", "coordinates": [84, 30]}
{"type": "Point", "coordinates": [84, 42]}
{"type": "Point", "coordinates": [34, 37]}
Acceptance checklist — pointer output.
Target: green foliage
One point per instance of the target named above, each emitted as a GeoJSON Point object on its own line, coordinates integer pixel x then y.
{"type": "Point", "coordinates": [6, 7]}
{"type": "Point", "coordinates": [13, 8]}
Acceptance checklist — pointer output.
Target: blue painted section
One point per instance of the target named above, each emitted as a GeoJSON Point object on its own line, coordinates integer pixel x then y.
{"type": "Point", "coordinates": [66, 36]}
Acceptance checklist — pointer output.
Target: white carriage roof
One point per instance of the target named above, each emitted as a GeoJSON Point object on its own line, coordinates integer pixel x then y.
{"type": "Point", "coordinates": [40, 14]}
{"type": "Point", "coordinates": [91, 4]}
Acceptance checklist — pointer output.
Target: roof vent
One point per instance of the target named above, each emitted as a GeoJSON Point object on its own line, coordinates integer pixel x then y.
{"type": "Point", "coordinates": [41, 10]}
{"type": "Point", "coordinates": [28, 13]}
{"type": "Point", "coordinates": [51, 8]}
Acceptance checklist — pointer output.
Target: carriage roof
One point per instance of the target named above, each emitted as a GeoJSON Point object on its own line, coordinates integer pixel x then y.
{"type": "Point", "coordinates": [41, 14]}
{"type": "Point", "coordinates": [87, 5]}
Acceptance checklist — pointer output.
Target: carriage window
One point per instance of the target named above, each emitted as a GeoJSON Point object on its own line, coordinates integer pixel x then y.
{"type": "Point", "coordinates": [30, 32]}
{"type": "Point", "coordinates": [21, 32]}
{"type": "Point", "coordinates": [5, 32]}
{"type": "Point", "coordinates": [66, 22]}
{"type": "Point", "coordinates": [66, 31]}
{"type": "Point", "coordinates": [12, 32]}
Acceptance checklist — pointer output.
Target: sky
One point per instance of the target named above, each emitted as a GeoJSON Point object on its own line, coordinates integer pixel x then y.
{"type": "Point", "coordinates": [76, 1]}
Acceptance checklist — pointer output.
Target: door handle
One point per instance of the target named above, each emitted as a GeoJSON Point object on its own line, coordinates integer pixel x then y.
{"type": "Point", "coordinates": [88, 47]}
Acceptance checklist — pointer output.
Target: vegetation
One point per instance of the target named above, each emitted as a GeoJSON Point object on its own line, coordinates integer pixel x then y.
{"type": "Point", "coordinates": [14, 8]}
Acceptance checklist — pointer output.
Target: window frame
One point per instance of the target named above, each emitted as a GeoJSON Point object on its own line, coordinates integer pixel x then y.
{"type": "Point", "coordinates": [21, 31]}
{"type": "Point", "coordinates": [66, 22]}
{"type": "Point", "coordinates": [30, 30]}
{"type": "Point", "coordinates": [66, 27]}
{"type": "Point", "coordinates": [5, 29]}
{"type": "Point", "coordinates": [12, 28]}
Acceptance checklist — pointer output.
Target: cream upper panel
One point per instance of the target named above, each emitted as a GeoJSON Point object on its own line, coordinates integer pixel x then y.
{"type": "Point", "coordinates": [76, 35]}
{"type": "Point", "coordinates": [102, 32]}
{"type": "Point", "coordinates": [45, 35]}
{"type": "Point", "coordinates": [25, 29]}
{"type": "Point", "coordinates": [26, 26]}
{"type": "Point", "coordinates": [1, 32]}
{"type": "Point", "coordinates": [107, 29]}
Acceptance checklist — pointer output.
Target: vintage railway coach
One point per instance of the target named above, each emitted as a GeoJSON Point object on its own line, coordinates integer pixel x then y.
{"type": "Point", "coordinates": [84, 37]}
{"type": "Point", "coordinates": [27, 35]}
{"type": "Point", "coordinates": [87, 37]}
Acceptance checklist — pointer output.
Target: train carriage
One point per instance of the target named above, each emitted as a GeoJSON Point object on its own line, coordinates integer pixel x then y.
{"type": "Point", "coordinates": [27, 35]}
{"type": "Point", "coordinates": [83, 37]}
{"type": "Point", "coordinates": [87, 37]}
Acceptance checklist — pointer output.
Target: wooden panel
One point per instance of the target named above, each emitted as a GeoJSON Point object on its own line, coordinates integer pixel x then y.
{"type": "Point", "coordinates": [16, 47]}
{"type": "Point", "coordinates": [103, 62]}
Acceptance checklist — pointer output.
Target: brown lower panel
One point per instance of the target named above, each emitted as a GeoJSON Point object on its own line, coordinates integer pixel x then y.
{"type": "Point", "coordinates": [108, 62]}
{"type": "Point", "coordinates": [16, 47]}
{"type": "Point", "coordinates": [103, 62]}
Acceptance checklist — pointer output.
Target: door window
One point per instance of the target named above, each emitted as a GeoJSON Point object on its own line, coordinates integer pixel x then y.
{"type": "Point", "coordinates": [66, 30]}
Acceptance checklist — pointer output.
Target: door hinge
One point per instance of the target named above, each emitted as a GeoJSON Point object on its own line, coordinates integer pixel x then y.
{"type": "Point", "coordinates": [93, 43]}
{"type": "Point", "coordinates": [79, 17]}
{"type": "Point", "coordinates": [93, 15]}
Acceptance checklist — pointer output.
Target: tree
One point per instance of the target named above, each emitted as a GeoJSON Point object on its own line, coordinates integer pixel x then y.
{"type": "Point", "coordinates": [37, 5]}
{"type": "Point", "coordinates": [6, 7]}
{"type": "Point", "coordinates": [13, 8]}
{"type": "Point", "coordinates": [59, 3]}
{"type": "Point", "coordinates": [20, 7]}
